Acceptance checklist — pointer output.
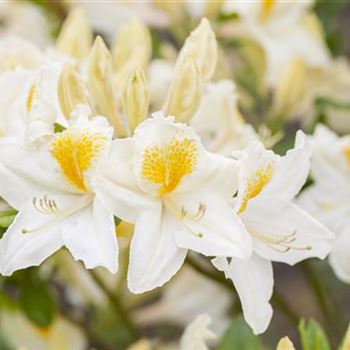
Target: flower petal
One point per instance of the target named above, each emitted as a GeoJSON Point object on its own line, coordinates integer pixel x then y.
{"type": "Point", "coordinates": [218, 232]}
{"type": "Point", "coordinates": [154, 255]}
{"type": "Point", "coordinates": [19, 250]}
{"type": "Point", "coordinates": [292, 170]}
{"type": "Point", "coordinates": [116, 186]}
{"type": "Point", "coordinates": [253, 280]}
{"type": "Point", "coordinates": [90, 236]}
{"type": "Point", "coordinates": [340, 257]}
{"type": "Point", "coordinates": [284, 232]}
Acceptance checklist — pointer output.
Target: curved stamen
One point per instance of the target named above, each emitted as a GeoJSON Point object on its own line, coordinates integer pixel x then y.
{"type": "Point", "coordinates": [49, 207]}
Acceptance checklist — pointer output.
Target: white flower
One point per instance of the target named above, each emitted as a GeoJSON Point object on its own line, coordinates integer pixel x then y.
{"type": "Point", "coordinates": [218, 121]}
{"type": "Point", "coordinates": [281, 230]}
{"type": "Point", "coordinates": [50, 185]}
{"type": "Point", "coordinates": [184, 297]}
{"type": "Point", "coordinates": [61, 334]}
{"type": "Point", "coordinates": [282, 29]}
{"type": "Point", "coordinates": [177, 195]}
{"type": "Point", "coordinates": [328, 198]}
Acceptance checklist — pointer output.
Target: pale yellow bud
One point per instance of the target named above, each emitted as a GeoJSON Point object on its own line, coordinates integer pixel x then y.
{"type": "Point", "coordinates": [186, 90]}
{"type": "Point", "coordinates": [72, 91]}
{"type": "Point", "coordinates": [141, 345]}
{"type": "Point", "coordinates": [291, 87]}
{"type": "Point", "coordinates": [346, 342]}
{"type": "Point", "coordinates": [285, 344]}
{"type": "Point", "coordinates": [135, 98]}
{"type": "Point", "coordinates": [133, 46]}
{"type": "Point", "coordinates": [203, 47]}
{"type": "Point", "coordinates": [100, 74]}
{"type": "Point", "coordinates": [75, 38]}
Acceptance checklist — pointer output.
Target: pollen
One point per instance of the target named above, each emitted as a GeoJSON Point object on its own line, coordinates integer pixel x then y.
{"type": "Point", "coordinates": [74, 152]}
{"type": "Point", "coordinates": [166, 166]}
{"type": "Point", "coordinates": [266, 8]}
{"type": "Point", "coordinates": [255, 184]}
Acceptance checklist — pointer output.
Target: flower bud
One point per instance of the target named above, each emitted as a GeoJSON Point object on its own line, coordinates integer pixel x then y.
{"type": "Point", "coordinates": [133, 46]}
{"type": "Point", "coordinates": [285, 344]}
{"type": "Point", "coordinates": [135, 98]}
{"type": "Point", "coordinates": [75, 37]}
{"type": "Point", "coordinates": [71, 91]}
{"type": "Point", "coordinates": [203, 47]}
{"type": "Point", "coordinates": [186, 90]}
{"type": "Point", "coordinates": [291, 87]}
{"type": "Point", "coordinates": [100, 73]}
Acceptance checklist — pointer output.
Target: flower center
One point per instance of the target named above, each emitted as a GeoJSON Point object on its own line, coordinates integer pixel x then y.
{"type": "Point", "coordinates": [74, 151]}
{"type": "Point", "coordinates": [266, 8]}
{"type": "Point", "coordinates": [255, 184]}
{"type": "Point", "coordinates": [166, 166]}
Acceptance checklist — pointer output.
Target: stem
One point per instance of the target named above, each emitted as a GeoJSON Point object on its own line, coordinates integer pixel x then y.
{"type": "Point", "coordinates": [117, 305]}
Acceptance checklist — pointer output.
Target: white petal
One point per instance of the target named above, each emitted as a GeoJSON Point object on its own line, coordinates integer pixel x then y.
{"type": "Point", "coordinates": [116, 186]}
{"type": "Point", "coordinates": [253, 280]}
{"type": "Point", "coordinates": [292, 171]}
{"type": "Point", "coordinates": [154, 255]}
{"type": "Point", "coordinates": [90, 236]}
{"type": "Point", "coordinates": [219, 232]}
{"type": "Point", "coordinates": [25, 173]}
{"type": "Point", "coordinates": [276, 219]}
{"type": "Point", "coordinates": [340, 257]}
{"type": "Point", "coordinates": [18, 250]}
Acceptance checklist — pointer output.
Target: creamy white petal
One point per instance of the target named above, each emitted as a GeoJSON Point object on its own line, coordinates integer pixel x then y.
{"type": "Point", "coordinates": [291, 172]}
{"type": "Point", "coordinates": [19, 250]}
{"type": "Point", "coordinates": [284, 232]}
{"type": "Point", "coordinates": [154, 255]}
{"type": "Point", "coordinates": [217, 231]}
{"type": "Point", "coordinates": [90, 236]}
{"type": "Point", "coordinates": [253, 280]}
{"type": "Point", "coordinates": [115, 184]}
{"type": "Point", "coordinates": [340, 256]}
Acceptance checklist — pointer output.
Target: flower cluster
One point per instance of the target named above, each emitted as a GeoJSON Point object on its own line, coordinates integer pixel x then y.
{"type": "Point", "coordinates": [98, 138]}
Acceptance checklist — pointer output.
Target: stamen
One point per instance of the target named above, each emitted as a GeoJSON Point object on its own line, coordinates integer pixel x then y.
{"type": "Point", "coordinates": [49, 207]}
{"type": "Point", "coordinates": [194, 216]}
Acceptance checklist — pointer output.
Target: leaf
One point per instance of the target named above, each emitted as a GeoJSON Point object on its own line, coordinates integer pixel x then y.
{"type": "Point", "coordinates": [313, 336]}
{"type": "Point", "coordinates": [58, 128]}
{"type": "Point", "coordinates": [6, 221]}
{"type": "Point", "coordinates": [239, 336]}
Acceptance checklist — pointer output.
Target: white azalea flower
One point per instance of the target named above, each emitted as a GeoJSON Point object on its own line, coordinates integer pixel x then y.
{"type": "Point", "coordinates": [328, 198]}
{"type": "Point", "coordinates": [218, 121]}
{"type": "Point", "coordinates": [282, 29]}
{"type": "Point", "coordinates": [184, 297]}
{"type": "Point", "coordinates": [177, 195]}
{"type": "Point", "coordinates": [281, 230]}
{"type": "Point", "coordinates": [61, 334]}
{"type": "Point", "coordinates": [50, 185]}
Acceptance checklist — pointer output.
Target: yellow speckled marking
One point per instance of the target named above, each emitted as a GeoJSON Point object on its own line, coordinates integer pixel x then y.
{"type": "Point", "coordinates": [166, 166]}
{"type": "Point", "coordinates": [74, 151]}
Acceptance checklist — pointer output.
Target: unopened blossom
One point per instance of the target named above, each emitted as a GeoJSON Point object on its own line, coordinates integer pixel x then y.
{"type": "Point", "coordinates": [328, 198]}
{"type": "Point", "coordinates": [177, 195]}
{"type": "Point", "coordinates": [281, 230]}
{"type": "Point", "coordinates": [50, 185]}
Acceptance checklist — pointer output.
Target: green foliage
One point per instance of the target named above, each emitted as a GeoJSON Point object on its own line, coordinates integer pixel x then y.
{"type": "Point", "coordinates": [313, 336]}
{"type": "Point", "coordinates": [33, 296]}
{"type": "Point", "coordinates": [239, 336]}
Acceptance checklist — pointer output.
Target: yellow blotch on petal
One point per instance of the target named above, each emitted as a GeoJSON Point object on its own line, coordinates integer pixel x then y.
{"type": "Point", "coordinates": [347, 153]}
{"type": "Point", "coordinates": [31, 95]}
{"type": "Point", "coordinates": [255, 184]}
{"type": "Point", "coordinates": [74, 153]}
{"type": "Point", "coordinates": [266, 8]}
{"type": "Point", "coordinates": [166, 166]}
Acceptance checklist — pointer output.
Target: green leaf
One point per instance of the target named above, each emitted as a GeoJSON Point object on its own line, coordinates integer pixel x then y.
{"type": "Point", "coordinates": [313, 336]}
{"type": "Point", "coordinates": [239, 336]}
{"type": "Point", "coordinates": [6, 221]}
{"type": "Point", "coordinates": [58, 127]}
